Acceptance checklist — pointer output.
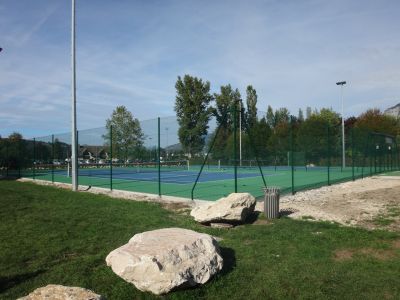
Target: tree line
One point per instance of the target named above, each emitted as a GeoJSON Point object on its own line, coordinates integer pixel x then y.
{"type": "Point", "coordinates": [270, 134]}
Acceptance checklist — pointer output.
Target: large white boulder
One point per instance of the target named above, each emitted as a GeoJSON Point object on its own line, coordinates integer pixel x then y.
{"type": "Point", "coordinates": [161, 260]}
{"type": "Point", "coordinates": [234, 208]}
{"type": "Point", "coordinates": [60, 292]}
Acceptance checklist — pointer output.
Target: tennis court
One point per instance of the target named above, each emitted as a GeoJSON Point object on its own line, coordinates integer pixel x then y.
{"type": "Point", "coordinates": [159, 165]}
{"type": "Point", "coordinates": [214, 181]}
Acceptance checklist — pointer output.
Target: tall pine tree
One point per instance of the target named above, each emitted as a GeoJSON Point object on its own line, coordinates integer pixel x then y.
{"type": "Point", "coordinates": [223, 113]}
{"type": "Point", "coordinates": [193, 112]}
{"type": "Point", "coordinates": [251, 101]}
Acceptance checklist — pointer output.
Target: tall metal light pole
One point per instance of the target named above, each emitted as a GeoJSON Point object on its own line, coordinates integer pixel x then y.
{"type": "Point", "coordinates": [342, 83]}
{"type": "Point", "coordinates": [240, 133]}
{"type": "Point", "coordinates": [74, 150]}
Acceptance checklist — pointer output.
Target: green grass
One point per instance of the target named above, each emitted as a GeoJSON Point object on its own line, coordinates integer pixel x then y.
{"type": "Point", "coordinates": [49, 235]}
{"type": "Point", "coordinates": [213, 190]}
{"type": "Point", "coordinates": [395, 173]}
{"type": "Point", "coordinates": [388, 217]}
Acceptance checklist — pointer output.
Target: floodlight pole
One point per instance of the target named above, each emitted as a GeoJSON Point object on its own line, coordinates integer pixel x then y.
{"type": "Point", "coordinates": [342, 83]}
{"type": "Point", "coordinates": [240, 133]}
{"type": "Point", "coordinates": [74, 154]}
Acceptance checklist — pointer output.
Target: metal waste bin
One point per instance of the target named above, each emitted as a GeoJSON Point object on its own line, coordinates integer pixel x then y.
{"type": "Point", "coordinates": [271, 202]}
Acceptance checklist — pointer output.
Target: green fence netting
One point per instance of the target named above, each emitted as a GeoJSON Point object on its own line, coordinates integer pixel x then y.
{"type": "Point", "coordinates": [236, 154]}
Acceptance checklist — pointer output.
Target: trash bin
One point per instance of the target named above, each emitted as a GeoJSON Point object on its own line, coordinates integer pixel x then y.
{"type": "Point", "coordinates": [271, 202]}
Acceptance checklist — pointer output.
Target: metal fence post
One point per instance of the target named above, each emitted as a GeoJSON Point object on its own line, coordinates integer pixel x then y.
{"type": "Point", "coordinates": [375, 146]}
{"type": "Point", "coordinates": [77, 158]}
{"type": "Point", "coordinates": [34, 158]}
{"type": "Point", "coordinates": [111, 156]}
{"type": "Point", "coordinates": [19, 160]}
{"type": "Point", "coordinates": [329, 155]}
{"type": "Point", "coordinates": [352, 153]}
{"type": "Point", "coordinates": [52, 158]}
{"type": "Point", "coordinates": [158, 159]}
{"type": "Point", "coordinates": [7, 158]}
{"type": "Point", "coordinates": [291, 152]}
{"type": "Point", "coordinates": [234, 145]}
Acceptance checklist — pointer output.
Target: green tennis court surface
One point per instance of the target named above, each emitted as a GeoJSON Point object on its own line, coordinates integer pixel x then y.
{"type": "Point", "coordinates": [213, 182]}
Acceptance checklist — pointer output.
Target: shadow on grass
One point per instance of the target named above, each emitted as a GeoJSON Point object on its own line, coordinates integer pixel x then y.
{"type": "Point", "coordinates": [229, 257]}
{"type": "Point", "coordinates": [251, 218]}
{"type": "Point", "coordinates": [11, 281]}
{"type": "Point", "coordinates": [287, 212]}
{"type": "Point", "coordinates": [8, 178]}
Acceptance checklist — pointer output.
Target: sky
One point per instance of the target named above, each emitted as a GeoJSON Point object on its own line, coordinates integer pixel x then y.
{"type": "Point", "coordinates": [131, 53]}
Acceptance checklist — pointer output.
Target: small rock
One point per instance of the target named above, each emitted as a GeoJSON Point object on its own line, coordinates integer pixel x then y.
{"type": "Point", "coordinates": [234, 208]}
{"type": "Point", "coordinates": [221, 225]}
{"type": "Point", "coordinates": [60, 292]}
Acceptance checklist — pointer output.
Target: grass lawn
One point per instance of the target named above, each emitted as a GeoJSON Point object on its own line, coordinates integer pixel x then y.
{"type": "Point", "coordinates": [49, 235]}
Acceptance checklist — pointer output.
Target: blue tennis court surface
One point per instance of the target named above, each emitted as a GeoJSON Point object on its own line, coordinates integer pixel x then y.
{"type": "Point", "coordinates": [177, 177]}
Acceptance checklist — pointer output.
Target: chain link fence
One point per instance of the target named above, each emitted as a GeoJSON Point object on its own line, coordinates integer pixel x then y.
{"type": "Point", "coordinates": [236, 155]}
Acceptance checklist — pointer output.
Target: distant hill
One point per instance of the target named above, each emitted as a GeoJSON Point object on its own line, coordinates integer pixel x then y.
{"type": "Point", "coordinates": [393, 111]}
{"type": "Point", "coordinates": [175, 147]}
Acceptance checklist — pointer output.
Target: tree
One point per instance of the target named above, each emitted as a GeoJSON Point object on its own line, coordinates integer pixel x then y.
{"type": "Point", "coordinates": [251, 101]}
{"type": "Point", "coordinates": [223, 105]}
{"type": "Point", "coordinates": [279, 143]}
{"type": "Point", "coordinates": [308, 112]}
{"type": "Point", "coordinates": [127, 136]}
{"type": "Point", "coordinates": [193, 112]}
{"type": "Point", "coordinates": [15, 136]}
{"type": "Point", "coordinates": [300, 117]}
{"type": "Point", "coordinates": [270, 117]}
{"type": "Point", "coordinates": [224, 101]}
{"type": "Point", "coordinates": [282, 115]}
{"type": "Point", "coordinates": [375, 120]}
{"type": "Point", "coordinates": [330, 116]}
{"type": "Point", "coordinates": [312, 139]}
{"type": "Point", "coordinates": [349, 123]}
{"type": "Point", "coordinates": [14, 151]}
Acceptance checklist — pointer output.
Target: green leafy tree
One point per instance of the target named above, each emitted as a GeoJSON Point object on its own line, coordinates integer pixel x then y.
{"type": "Point", "coordinates": [300, 117]}
{"type": "Point", "coordinates": [308, 112]}
{"type": "Point", "coordinates": [260, 135]}
{"type": "Point", "coordinates": [127, 135]}
{"type": "Point", "coordinates": [375, 120]}
{"type": "Point", "coordinates": [279, 143]}
{"type": "Point", "coordinates": [60, 152]}
{"type": "Point", "coordinates": [282, 115]}
{"type": "Point", "coordinates": [193, 112]}
{"type": "Point", "coordinates": [330, 116]}
{"type": "Point", "coordinates": [270, 117]}
{"type": "Point", "coordinates": [14, 151]}
{"type": "Point", "coordinates": [224, 102]}
{"type": "Point", "coordinates": [251, 101]}
{"type": "Point", "coordinates": [312, 139]}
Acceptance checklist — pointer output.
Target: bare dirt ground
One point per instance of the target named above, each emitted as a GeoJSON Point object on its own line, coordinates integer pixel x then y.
{"type": "Point", "coordinates": [371, 203]}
